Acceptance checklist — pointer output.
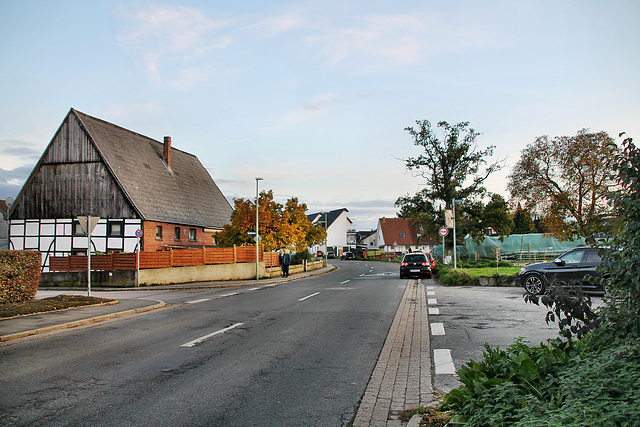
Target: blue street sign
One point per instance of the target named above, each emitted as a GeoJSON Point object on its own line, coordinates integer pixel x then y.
{"type": "Point", "coordinates": [457, 200]}
{"type": "Point", "coordinates": [251, 233]}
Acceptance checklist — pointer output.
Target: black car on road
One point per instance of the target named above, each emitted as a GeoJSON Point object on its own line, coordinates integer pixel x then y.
{"type": "Point", "coordinates": [347, 255]}
{"type": "Point", "coordinates": [573, 268]}
{"type": "Point", "coordinates": [415, 265]}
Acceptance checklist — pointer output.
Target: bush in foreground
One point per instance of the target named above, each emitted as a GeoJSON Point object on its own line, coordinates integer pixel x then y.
{"type": "Point", "coordinates": [19, 275]}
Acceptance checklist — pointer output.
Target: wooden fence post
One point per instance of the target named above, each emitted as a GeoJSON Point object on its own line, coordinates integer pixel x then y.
{"type": "Point", "coordinates": [170, 257]}
{"type": "Point", "coordinates": [235, 255]}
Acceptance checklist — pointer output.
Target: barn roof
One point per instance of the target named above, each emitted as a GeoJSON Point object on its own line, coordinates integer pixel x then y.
{"type": "Point", "coordinates": [184, 193]}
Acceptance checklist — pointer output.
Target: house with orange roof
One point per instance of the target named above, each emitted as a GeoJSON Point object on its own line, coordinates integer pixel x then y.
{"type": "Point", "coordinates": [402, 235]}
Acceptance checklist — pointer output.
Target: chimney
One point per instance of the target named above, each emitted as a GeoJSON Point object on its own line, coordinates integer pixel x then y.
{"type": "Point", "coordinates": [166, 152]}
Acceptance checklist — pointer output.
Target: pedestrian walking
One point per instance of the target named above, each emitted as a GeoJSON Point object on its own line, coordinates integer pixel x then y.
{"type": "Point", "coordinates": [286, 260]}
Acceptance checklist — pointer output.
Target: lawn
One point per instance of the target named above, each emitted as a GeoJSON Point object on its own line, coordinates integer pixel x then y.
{"type": "Point", "coordinates": [490, 271]}
{"type": "Point", "coordinates": [59, 302]}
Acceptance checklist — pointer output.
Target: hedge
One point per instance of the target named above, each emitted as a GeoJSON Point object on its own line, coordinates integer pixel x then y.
{"type": "Point", "coordinates": [19, 275]}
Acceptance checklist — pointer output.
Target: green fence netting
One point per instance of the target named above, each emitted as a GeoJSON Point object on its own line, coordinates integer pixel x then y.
{"type": "Point", "coordinates": [511, 246]}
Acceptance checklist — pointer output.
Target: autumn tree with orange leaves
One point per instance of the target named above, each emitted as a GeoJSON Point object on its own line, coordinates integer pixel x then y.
{"type": "Point", "coordinates": [567, 181]}
{"type": "Point", "coordinates": [280, 226]}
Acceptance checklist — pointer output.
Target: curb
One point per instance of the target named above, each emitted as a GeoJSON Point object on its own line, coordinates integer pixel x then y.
{"type": "Point", "coordinates": [81, 322]}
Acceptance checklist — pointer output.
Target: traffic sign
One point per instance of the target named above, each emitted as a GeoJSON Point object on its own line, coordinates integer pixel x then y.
{"type": "Point", "coordinates": [88, 226]}
{"type": "Point", "coordinates": [251, 233]}
{"type": "Point", "coordinates": [138, 233]}
{"type": "Point", "coordinates": [443, 231]}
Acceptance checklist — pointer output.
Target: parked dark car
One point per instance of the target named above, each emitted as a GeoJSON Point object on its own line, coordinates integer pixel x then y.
{"type": "Point", "coordinates": [415, 265]}
{"type": "Point", "coordinates": [573, 268]}
{"type": "Point", "coordinates": [347, 255]}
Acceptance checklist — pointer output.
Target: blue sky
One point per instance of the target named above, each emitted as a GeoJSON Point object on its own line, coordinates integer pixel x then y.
{"type": "Point", "coordinates": [314, 96]}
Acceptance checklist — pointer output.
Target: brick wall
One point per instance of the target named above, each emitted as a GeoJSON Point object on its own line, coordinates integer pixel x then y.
{"type": "Point", "coordinates": [152, 243]}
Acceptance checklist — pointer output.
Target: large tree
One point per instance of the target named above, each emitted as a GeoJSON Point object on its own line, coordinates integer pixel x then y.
{"type": "Point", "coordinates": [566, 180]}
{"type": "Point", "coordinates": [453, 168]}
{"type": "Point", "coordinates": [452, 165]}
{"type": "Point", "coordinates": [280, 226]}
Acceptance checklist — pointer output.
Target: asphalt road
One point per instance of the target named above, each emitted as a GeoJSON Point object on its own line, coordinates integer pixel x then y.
{"type": "Point", "coordinates": [299, 353]}
{"type": "Point", "coordinates": [473, 316]}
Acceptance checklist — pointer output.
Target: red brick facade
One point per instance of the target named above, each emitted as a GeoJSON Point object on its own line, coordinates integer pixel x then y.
{"type": "Point", "coordinates": [152, 242]}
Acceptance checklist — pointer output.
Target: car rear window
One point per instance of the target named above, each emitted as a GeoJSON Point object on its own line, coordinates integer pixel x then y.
{"type": "Point", "coordinates": [415, 258]}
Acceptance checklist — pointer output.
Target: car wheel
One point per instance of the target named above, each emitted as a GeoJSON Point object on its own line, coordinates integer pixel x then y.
{"type": "Point", "coordinates": [533, 284]}
{"type": "Point", "coordinates": [401, 276]}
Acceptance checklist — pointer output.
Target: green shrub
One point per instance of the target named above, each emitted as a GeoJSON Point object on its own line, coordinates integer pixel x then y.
{"type": "Point", "coordinates": [19, 275]}
{"type": "Point", "coordinates": [298, 257]}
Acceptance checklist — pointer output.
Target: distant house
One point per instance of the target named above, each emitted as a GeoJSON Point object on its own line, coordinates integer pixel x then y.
{"type": "Point", "coordinates": [366, 240]}
{"type": "Point", "coordinates": [402, 235]}
{"type": "Point", "coordinates": [131, 182]}
{"type": "Point", "coordinates": [340, 236]}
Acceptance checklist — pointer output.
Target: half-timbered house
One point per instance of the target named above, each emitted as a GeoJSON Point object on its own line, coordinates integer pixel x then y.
{"type": "Point", "coordinates": [131, 182]}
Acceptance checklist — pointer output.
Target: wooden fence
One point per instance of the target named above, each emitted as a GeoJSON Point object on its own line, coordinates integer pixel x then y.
{"type": "Point", "coordinates": [164, 259]}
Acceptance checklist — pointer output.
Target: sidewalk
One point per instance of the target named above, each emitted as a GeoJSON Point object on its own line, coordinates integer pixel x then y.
{"type": "Point", "coordinates": [401, 379]}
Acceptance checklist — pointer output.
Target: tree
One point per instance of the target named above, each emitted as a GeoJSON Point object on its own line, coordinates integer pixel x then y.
{"type": "Point", "coordinates": [280, 226]}
{"type": "Point", "coordinates": [496, 215]}
{"type": "Point", "coordinates": [522, 221]}
{"type": "Point", "coordinates": [620, 269]}
{"type": "Point", "coordinates": [567, 180]}
{"type": "Point", "coordinates": [447, 163]}
{"type": "Point", "coordinates": [453, 168]}
{"type": "Point", "coordinates": [421, 210]}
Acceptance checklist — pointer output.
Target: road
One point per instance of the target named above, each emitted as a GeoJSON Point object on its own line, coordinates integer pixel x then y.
{"type": "Point", "coordinates": [299, 353]}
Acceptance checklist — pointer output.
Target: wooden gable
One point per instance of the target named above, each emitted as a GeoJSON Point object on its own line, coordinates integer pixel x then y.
{"type": "Point", "coordinates": [71, 179]}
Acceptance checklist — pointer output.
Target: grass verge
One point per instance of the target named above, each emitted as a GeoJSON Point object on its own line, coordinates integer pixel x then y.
{"type": "Point", "coordinates": [59, 302]}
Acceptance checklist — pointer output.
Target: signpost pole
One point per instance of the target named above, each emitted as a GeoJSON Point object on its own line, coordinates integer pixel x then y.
{"type": "Point", "coordinates": [455, 261]}
{"type": "Point", "coordinates": [89, 255]}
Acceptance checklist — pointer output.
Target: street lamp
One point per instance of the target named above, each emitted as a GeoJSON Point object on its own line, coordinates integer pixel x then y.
{"type": "Point", "coordinates": [257, 232]}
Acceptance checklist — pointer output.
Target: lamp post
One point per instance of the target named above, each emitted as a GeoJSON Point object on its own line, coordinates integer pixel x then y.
{"type": "Point", "coordinates": [453, 205]}
{"type": "Point", "coordinates": [257, 232]}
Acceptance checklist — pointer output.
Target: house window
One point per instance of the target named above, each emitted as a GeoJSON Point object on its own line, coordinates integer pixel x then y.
{"type": "Point", "coordinates": [77, 229]}
{"type": "Point", "coordinates": [159, 232]}
{"type": "Point", "coordinates": [115, 229]}
{"type": "Point", "coordinates": [403, 235]}
{"type": "Point", "coordinates": [192, 234]}
{"type": "Point", "coordinates": [177, 234]}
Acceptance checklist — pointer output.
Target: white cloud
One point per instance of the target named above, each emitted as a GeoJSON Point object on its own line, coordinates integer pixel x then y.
{"type": "Point", "coordinates": [165, 37]}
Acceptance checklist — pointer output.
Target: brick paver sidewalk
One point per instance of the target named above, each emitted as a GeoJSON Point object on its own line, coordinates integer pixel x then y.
{"type": "Point", "coordinates": [402, 377]}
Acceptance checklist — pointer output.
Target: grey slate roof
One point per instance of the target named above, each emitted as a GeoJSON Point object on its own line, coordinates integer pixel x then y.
{"type": "Point", "coordinates": [186, 194]}
{"type": "Point", "coordinates": [331, 216]}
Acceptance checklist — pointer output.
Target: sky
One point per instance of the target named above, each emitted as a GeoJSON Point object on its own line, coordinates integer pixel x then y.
{"type": "Point", "coordinates": [314, 96]}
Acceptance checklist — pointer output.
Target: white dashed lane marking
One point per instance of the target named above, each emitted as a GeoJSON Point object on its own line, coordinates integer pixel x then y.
{"type": "Point", "coordinates": [308, 296]}
{"type": "Point", "coordinates": [437, 329]}
{"type": "Point", "coordinates": [213, 334]}
{"type": "Point", "coordinates": [443, 361]}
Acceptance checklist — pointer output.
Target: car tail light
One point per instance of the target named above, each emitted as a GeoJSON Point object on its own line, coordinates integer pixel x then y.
{"type": "Point", "coordinates": [404, 263]}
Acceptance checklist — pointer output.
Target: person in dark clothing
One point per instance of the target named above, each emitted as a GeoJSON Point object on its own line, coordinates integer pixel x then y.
{"type": "Point", "coordinates": [286, 260]}
{"type": "Point", "coordinates": [280, 256]}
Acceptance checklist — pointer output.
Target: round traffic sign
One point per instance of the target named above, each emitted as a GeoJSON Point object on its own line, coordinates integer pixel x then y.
{"type": "Point", "coordinates": [443, 231]}
{"type": "Point", "coordinates": [138, 233]}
